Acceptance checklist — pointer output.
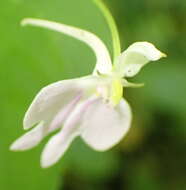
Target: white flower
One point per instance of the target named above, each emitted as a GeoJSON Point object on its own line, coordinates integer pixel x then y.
{"type": "Point", "coordinates": [91, 107]}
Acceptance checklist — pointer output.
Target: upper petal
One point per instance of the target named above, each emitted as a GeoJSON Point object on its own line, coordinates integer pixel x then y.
{"type": "Point", "coordinates": [53, 98]}
{"type": "Point", "coordinates": [104, 126]}
{"type": "Point", "coordinates": [103, 65]}
{"type": "Point", "coordinates": [135, 57]}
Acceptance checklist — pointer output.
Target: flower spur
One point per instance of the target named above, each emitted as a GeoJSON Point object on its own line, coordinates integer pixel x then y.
{"type": "Point", "coordinates": [91, 107]}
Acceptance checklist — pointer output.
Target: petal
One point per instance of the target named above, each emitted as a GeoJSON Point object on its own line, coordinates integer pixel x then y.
{"type": "Point", "coordinates": [59, 143]}
{"type": "Point", "coordinates": [34, 136]}
{"type": "Point", "coordinates": [135, 57]}
{"type": "Point", "coordinates": [55, 148]}
{"type": "Point", "coordinates": [63, 114]}
{"type": "Point", "coordinates": [30, 139]}
{"type": "Point", "coordinates": [54, 97]}
{"type": "Point", "coordinates": [104, 126]}
{"type": "Point", "coordinates": [103, 65]}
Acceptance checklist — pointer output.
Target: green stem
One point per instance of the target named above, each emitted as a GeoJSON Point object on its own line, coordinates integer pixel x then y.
{"type": "Point", "coordinates": [112, 26]}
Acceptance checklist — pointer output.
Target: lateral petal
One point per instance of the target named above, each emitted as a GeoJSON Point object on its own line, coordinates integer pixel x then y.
{"type": "Point", "coordinates": [54, 97]}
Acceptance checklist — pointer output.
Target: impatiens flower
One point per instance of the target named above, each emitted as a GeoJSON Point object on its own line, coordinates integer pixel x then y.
{"type": "Point", "coordinates": [91, 107]}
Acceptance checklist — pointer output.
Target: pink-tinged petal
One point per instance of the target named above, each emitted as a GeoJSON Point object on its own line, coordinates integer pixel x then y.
{"type": "Point", "coordinates": [34, 136]}
{"type": "Point", "coordinates": [53, 98]}
{"type": "Point", "coordinates": [104, 126]}
{"type": "Point", "coordinates": [62, 115]}
{"type": "Point", "coordinates": [59, 143]}
{"type": "Point", "coordinates": [55, 148]}
{"type": "Point", "coordinates": [30, 139]}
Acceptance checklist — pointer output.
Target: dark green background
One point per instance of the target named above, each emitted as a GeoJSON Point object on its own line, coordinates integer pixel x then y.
{"type": "Point", "coordinates": [153, 155]}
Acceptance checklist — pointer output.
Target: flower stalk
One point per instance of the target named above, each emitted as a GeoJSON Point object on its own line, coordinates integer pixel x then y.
{"type": "Point", "coordinates": [112, 26]}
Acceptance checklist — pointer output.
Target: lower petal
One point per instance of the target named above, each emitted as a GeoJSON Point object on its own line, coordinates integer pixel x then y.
{"type": "Point", "coordinates": [59, 143]}
{"type": "Point", "coordinates": [55, 148]}
{"type": "Point", "coordinates": [104, 126]}
{"type": "Point", "coordinates": [30, 139]}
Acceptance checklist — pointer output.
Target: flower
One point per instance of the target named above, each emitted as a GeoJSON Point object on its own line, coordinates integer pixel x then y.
{"type": "Point", "coordinates": [91, 107]}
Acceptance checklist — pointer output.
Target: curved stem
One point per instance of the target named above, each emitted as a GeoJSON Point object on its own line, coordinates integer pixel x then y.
{"type": "Point", "coordinates": [113, 28]}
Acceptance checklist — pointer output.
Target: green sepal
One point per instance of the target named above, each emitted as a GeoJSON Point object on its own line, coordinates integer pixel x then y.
{"type": "Point", "coordinates": [125, 83]}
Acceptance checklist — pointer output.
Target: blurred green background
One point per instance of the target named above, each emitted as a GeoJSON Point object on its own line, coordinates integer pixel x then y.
{"type": "Point", "coordinates": [153, 155]}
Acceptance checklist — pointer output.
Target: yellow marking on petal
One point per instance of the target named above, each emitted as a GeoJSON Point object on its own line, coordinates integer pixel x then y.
{"type": "Point", "coordinates": [116, 91]}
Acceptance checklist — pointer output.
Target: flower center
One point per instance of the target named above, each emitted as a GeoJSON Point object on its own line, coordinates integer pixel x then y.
{"type": "Point", "coordinates": [116, 91]}
{"type": "Point", "coordinates": [111, 91]}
